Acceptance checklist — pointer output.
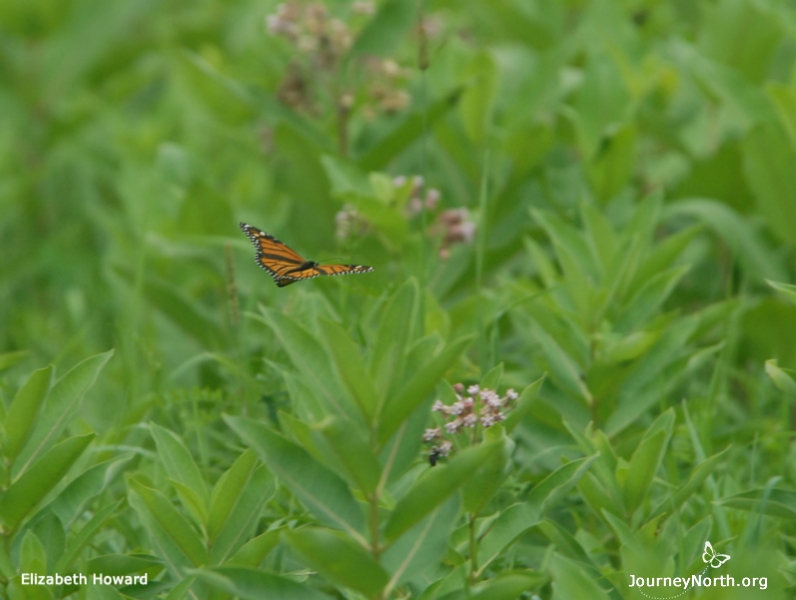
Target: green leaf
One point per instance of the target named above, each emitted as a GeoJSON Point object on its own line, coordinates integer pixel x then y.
{"type": "Point", "coordinates": [227, 98]}
{"type": "Point", "coordinates": [192, 503]}
{"type": "Point", "coordinates": [353, 453]}
{"type": "Point", "coordinates": [563, 366]}
{"type": "Point", "coordinates": [491, 380]}
{"type": "Point", "coordinates": [351, 368]}
{"type": "Point", "coordinates": [63, 404]}
{"type": "Point", "coordinates": [774, 502]}
{"type": "Point", "coordinates": [748, 246]}
{"type": "Point", "coordinates": [253, 552]}
{"type": "Point", "coordinates": [649, 298]}
{"type": "Point", "coordinates": [392, 23]}
{"type": "Point", "coordinates": [242, 522]}
{"type": "Point", "coordinates": [338, 558]}
{"type": "Point", "coordinates": [768, 165]}
{"type": "Point", "coordinates": [42, 476]}
{"type": "Point", "coordinates": [484, 483]}
{"type": "Point", "coordinates": [23, 411]}
{"type": "Point", "coordinates": [9, 359]}
{"type": "Point", "coordinates": [420, 549]}
{"type": "Point", "coordinates": [552, 489]}
{"type": "Point", "coordinates": [787, 290]}
{"type": "Point", "coordinates": [690, 487]}
{"type": "Point", "coordinates": [123, 564]}
{"type": "Point", "coordinates": [378, 155]}
{"type": "Point", "coordinates": [32, 555]}
{"type": "Point", "coordinates": [180, 591]}
{"type": "Point", "coordinates": [509, 526]}
{"type": "Point", "coordinates": [507, 586]}
{"type": "Point", "coordinates": [570, 580]}
{"type": "Point", "coordinates": [435, 486]}
{"type": "Point", "coordinates": [652, 374]}
{"type": "Point", "coordinates": [323, 493]}
{"type": "Point", "coordinates": [345, 178]}
{"type": "Point", "coordinates": [180, 466]}
{"type": "Point", "coordinates": [74, 498]}
{"type": "Point", "coordinates": [661, 257]}
{"type": "Point", "coordinates": [228, 490]}
{"type": "Point", "coordinates": [178, 307]}
{"type": "Point", "coordinates": [252, 584]}
{"type": "Point", "coordinates": [311, 360]}
{"type": "Point", "coordinates": [414, 392]}
{"type": "Point", "coordinates": [602, 102]}
{"type": "Point", "coordinates": [394, 335]}
{"type": "Point", "coordinates": [85, 535]}
{"type": "Point", "coordinates": [781, 378]}
{"type": "Point", "coordinates": [601, 496]}
{"type": "Point", "coordinates": [610, 169]}
{"type": "Point", "coordinates": [646, 460]}
{"type": "Point", "coordinates": [166, 521]}
{"type": "Point", "coordinates": [478, 100]}
{"type": "Point", "coordinates": [744, 100]}
{"type": "Point", "coordinates": [524, 402]}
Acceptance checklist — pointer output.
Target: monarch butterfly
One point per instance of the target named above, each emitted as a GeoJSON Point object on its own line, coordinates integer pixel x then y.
{"type": "Point", "coordinates": [285, 265]}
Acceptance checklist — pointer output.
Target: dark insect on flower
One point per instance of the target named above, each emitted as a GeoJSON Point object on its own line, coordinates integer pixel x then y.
{"type": "Point", "coordinates": [433, 456]}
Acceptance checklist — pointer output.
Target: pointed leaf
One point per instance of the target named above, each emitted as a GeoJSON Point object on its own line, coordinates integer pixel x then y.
{"type": "Point", "coordinates": [323, 493]}
{"type": "Point", "coordinates": [36, 482]}
{"type": "Point", "coordinates": [178, 462]}
{"type": "Point", "coordinates": [22, 413]}
{"type": "Point", "coordinates": [351, 368]}
{"type": "Point", "coordinates": [252, 584]}
{"type": "Point", "coordinates": [63, 403]}
{"type": "Point", "coordinates": [168, 522]}
{"type": "Point", "coordinates": [339, 558]}
{"type": "Point", "coordinates": [401, 406]}
{"type": "Point", "coordinates": [435, 486]}
{"type": "Point", "coordinates": [353, 453]}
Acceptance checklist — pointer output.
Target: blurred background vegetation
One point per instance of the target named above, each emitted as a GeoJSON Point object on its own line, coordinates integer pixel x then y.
{"type": "Point", "coordinates": [596, 189]}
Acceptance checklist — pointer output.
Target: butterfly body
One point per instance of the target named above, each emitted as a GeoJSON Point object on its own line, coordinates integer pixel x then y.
{"type": "Point", "coordinates": [287, 266]}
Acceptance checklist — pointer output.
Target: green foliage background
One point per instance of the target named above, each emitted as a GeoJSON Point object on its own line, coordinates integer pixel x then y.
{"type": "Point", "coordinates": [629, 168]}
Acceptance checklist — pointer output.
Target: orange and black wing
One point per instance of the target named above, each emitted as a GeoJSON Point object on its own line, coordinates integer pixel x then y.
{"type": "Point", "coordinates": [287, 266]}
{"type": "Point", "coordinates": [342, 269]}
{"type": "Point", "coordinates": [272, 255]}
{"type": "Point", "coordinates": [311, 270]}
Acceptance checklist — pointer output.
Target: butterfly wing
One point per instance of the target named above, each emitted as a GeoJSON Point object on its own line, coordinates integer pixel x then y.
{"type": "Point", "coordinates": [709, 553]}
{"type": "Point", "coordinates": [286, 265]}
{"type": "Point", "coordinates": [311, 270]}
{"type": "Point", "coordinates": [274, 256]}
{"type": "Point", "coordinates": [342, 269]}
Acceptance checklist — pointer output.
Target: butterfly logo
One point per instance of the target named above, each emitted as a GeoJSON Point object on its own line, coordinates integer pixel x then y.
{"type": "Point", "coordinates": [286, 265]}
{"type": "Point", "coordinates": [714, 559]}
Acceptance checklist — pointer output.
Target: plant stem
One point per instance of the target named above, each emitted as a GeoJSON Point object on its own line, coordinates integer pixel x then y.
{"type": "Point", "coordinates": [374, 526]}
{"type": "Point", "coordinates": [473, 547]}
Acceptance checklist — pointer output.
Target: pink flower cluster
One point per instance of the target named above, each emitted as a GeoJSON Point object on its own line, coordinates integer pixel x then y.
{"type": "Point", "coordinates": [456, 228]}
{"type": "Point", "coordinates": [349, 223]}
{"type": "Point", "coordinates": [473, 406]}
{"type": "Point", "coordinates": [416, 202]}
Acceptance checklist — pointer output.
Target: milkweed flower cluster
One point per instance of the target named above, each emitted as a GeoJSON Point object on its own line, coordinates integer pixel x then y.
{"type": "Point", "coordinates": [456, 227]}
{"type": "Point", "coordinates": [350, 223]}
{"type": "Point", "coordinates": [323, 41]}
{"type": "Point", "coordinates": [474, 406]}
{"type": "Point", "coordinates": [418, 201]}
